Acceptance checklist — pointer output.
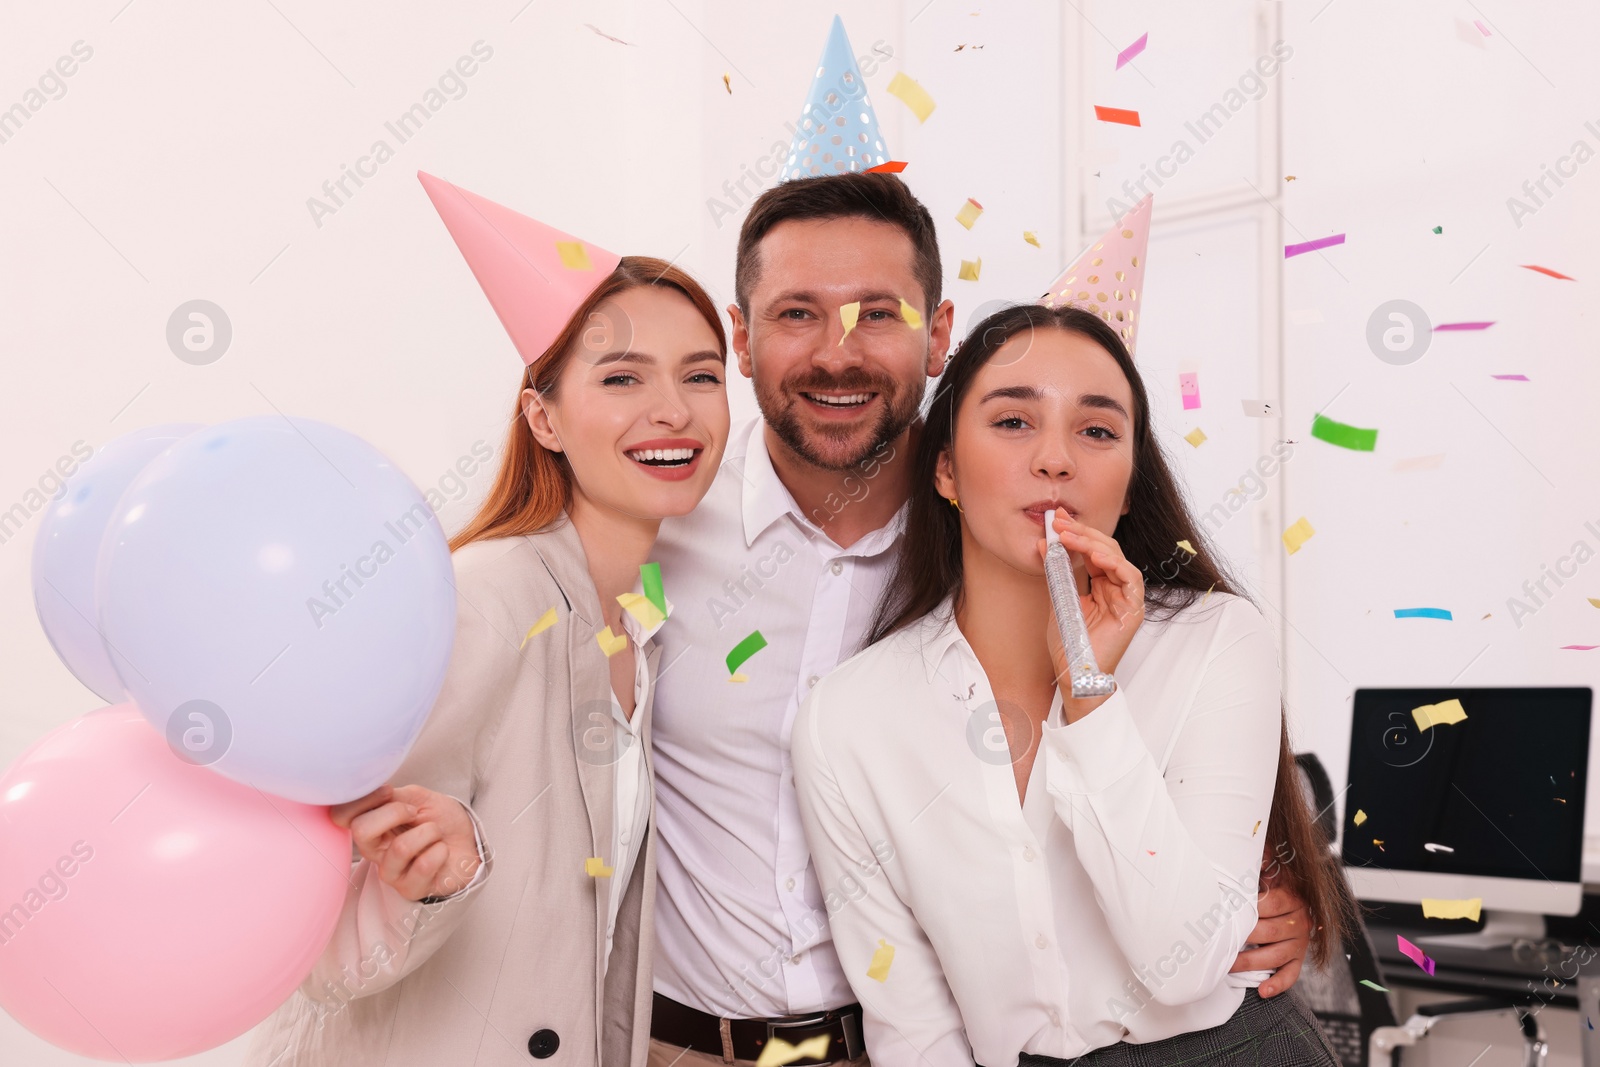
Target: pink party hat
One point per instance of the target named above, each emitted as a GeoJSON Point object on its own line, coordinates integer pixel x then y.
{"type": "Point", "coordinates": [1107, 279]}
{"type": "Point", "coordinates": [534, 275]}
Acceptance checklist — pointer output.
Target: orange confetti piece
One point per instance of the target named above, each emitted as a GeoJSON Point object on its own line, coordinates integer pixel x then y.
{"type": "Point", "coordinates": [894, 166]}
{"type": "Point", "coordinates": [1116, 114]}
{"type": "Point", "coordinates": [1551, 273]}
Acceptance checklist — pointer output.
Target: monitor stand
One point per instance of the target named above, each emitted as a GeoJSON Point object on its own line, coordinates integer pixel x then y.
{"type": "Point", "coordinates": [1500, 929]}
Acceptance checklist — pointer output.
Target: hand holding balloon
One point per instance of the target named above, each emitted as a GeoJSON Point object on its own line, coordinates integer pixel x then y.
{"type": "Point", "coordinates": [421, 842]}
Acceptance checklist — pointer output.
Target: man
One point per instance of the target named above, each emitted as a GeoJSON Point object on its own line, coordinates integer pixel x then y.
{"type": "Point", "coordinates": [794, 543]}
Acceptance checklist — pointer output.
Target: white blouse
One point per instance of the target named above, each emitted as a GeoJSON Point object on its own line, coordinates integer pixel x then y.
{"type": "Point", "coordinates": [1106, 907]}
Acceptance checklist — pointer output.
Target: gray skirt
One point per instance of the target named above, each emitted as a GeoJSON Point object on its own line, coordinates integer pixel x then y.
{"type": "Point", "coordinates": [1279, 1032]}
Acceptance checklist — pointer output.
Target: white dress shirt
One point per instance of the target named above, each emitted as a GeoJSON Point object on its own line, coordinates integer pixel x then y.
{"type": "Point", "coordinates": [630, 787]}
{"type": "Point", "coordinates": [741, 929]}
{"type": "Point", "coordinates": [1108, 906]}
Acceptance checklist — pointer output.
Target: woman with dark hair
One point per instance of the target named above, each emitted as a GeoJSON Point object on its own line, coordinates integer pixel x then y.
{"type": "Point", "coordinates": [500, 907]}
{"type": "Point", "coordinates": [1021, 873]}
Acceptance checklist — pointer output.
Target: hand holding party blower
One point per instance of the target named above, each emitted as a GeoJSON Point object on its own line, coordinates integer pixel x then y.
{"type": "Point", "coordinates": [1087, 678]}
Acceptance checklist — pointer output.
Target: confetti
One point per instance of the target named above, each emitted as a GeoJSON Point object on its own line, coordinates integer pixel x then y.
{"type": "Point", "coordinates": [607, 36]}
{"type": "Point", "coordinates": [595, 867]}
{"type": "Point", "coordinates": [1373, 985]}
{"type": "Point", "coordinates": [1438, 229]}
{"type": "Point", "coordinates": [1419, 463]}
{"type": "Point", "coordinates": [1121, 116]}
{"type": "Point", "coordinates": [878, 969]}
{"type": "Point", "coordinates": [1254, 828]}
{"type": "Point", "coordinates": [1132, 51]}
{"type": "Point", "coordinates": [1431, 847]}
{"type": "Point", "coordinates": [779, 1053]}
{"type": "Point", "coordinates": [641, 608]}
{"type": "Point", "coordinates": [1303, 247]}
{"type": "Point", "coordinates": [1415, 954]}
{"type": "Point", "coordinates": [1439, 908]}
{"type": "Point", "coordinates": [547, 620]}
{"type": "Point", "coordinates": [1210, 587]}
{"type": "Point", "coordinates": [969, 269]}
{"type": "Point", "coordinates": [611, 643]}
{"type": "Point", "coordinates": [1441, 714]}
{"type": "Point", "coordinates": [739, 679]}
{"type": "Point", "coordinates": [894, 166]}
{"type": "Point", "coordinates": [728, 84]}
{"type": "Point", "coordinates": [1344, 435]}
{"type": "Point", "coordinates": [848, 314]}
{"type": "Point", "coordinates": [1482, 28]}
{"type": "Point", "coordinates": [1547, 270]}
{"type": "Point", "coordinates": [1257, 409]}
{"type": "Point", "coordinates": [912, 95]}
{"type": "Point", "coordinates": [1189, 387]}
{"type": "Point", "coordinates": [910, 314]}
{"type": "Point", "coordinates": [1446, 326]}
{"type": "Point", "coordinates": [1580, 648]}
{"type": "Point", "coordinates": [650, 582]}
{"type": "Point", "coordinates": [1422, 613]}
{"type": "Point", "coordinates": [969, 213]}
{"type": "Point", "coordinates": [1195, 437]}
{"type": "Point", "coordinates": [1288, 177]}
{"type": "Point", "coordinates": [1510, 377]}
{"type": "Point", "coordinates": [1032, 238]}
{"type": "Point", "coordinates": [1379, 842]}
{"type": "Point", "coordinates": [744, 650]}
{"type": "Point", "coordinates": [1361, 817]}
{"type": "Point", "coordinates": [1593, 601]}
{"type": "Point", "coordinates": [1187, 547]}
{"type": "Point", "coordinates": [1297, 535]}
{"type": "Point", "coordinates": [573, 255]}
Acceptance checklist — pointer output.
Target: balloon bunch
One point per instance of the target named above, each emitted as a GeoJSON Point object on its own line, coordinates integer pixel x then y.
{"type": "Point", "coordinates": [268, 605]}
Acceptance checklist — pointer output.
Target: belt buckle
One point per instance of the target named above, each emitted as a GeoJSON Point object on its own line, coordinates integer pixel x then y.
{"type": "Point", "coordinates": [813, 1021]}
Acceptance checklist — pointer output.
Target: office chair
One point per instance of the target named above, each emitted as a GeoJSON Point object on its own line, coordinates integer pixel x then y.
{"type": "Point", "coordinates": [1359, 1020]}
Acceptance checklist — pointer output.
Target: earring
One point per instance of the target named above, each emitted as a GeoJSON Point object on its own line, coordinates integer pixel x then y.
{"type": "Point", "coordinates": [957, 505]}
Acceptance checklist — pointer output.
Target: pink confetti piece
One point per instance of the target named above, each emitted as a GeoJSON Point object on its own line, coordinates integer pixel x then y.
{"type": "Point", "coordinates": [1510, 377]}
{"type": "Point", "coordinates": [1132, 50]}
{"type": "Point", "coordinates": [1462, 326]}
{"type": "Point", "coordinates": [1415, 954]}
{"type": "Point", "coordinates": [1482, 28]}
{"type": "Point", "coordinates": [1311, 246]}
{"type": "Point", "coordinates": [1189, 386]}
{"type": "Point", "coordinates": [1581, 648]}
{"type": "Point", "coordinates": [1547, 270]}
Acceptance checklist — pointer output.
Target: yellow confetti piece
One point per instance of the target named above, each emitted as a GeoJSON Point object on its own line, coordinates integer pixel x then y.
{"type": "Point", "coordinates": [969, 269]}
{"type": "Point", "coordinates": [1196, 437]}
{"type": "Point", "coordinates": [1288, 177]}
{"type": "Point", "coordinates": [912, 95]}
{"type": "Point", "coordinates": [573, 255]}
{"type": "Point", "coordinates": [910, 314]}
{"type": "Point", "coordinates": [878, 969]}
{"type": "Point", "coordinates": [1361, 817]}
{"type": "Point", "coordinates": [779, 1053]}
{"type": "Point", "coordinates": [1212, 586]}
{"type": "Point", "coordinates": [1378, 841]}
{"type": "Point", "coordinates": [595, 867]}
{"type": "Point", "coordinates": [849, 314]}
{"type": "Point", "coordinates": [1297, 535]}
{"type": "Point", "coordinates": [1187, 547]}
{"type": "Point", "coordinates": [611, 643]}
{"type": "Point", "coordinates": [1032, 238]}
{"type": "Point", "coordinates": [1254, 828]}
{"type": "Point", "coordinates": [1592, 600]}
{"type": "Point", "coordinates": [969, 213]}
{"type": "Point", "coordinates": [739, 678]}
{"type": "Point", "coordinates": [641, 608]}
{"type": "Point", "coordinates": [547, 620]}
{"type": "Point", "coordinates": [1444, 714]}
{"type": "Point", "coordinates": [1436, 908]}
{"type": "Point", "coordinates": [727, 84]}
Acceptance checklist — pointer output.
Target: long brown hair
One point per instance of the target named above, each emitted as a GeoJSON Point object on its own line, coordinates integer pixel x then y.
{"type": "Point", "coordinates": [928, 569]}
{"type": "Point", "coordinates": [533, 487]}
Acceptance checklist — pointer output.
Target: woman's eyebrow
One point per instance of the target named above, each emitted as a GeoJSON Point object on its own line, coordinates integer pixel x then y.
{"type": "Point", "coordinates": [1030, 392]}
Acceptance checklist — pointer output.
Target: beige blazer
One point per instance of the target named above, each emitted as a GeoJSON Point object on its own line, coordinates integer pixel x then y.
{"type": "Point", "coordinates": [523, 736]}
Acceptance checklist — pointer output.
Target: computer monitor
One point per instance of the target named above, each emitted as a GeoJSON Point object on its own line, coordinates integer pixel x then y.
{"type": "Point", "coordinates": [1490, 806]}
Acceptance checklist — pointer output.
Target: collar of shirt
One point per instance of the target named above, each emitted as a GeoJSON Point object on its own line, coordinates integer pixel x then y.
{"type": "Point", "coordinates": [765, 500]}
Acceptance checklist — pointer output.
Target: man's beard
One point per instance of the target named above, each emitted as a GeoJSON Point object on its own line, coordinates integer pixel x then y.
{"type": "Point", "coordinates": [779, 408]}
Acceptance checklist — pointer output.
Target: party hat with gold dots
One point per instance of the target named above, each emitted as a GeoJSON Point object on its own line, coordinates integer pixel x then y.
{"type": "Point", "coordinates": [838, 129]}
{"type": "Point", "coordinates": [1108, 278]}
{"type": "Point", "coordinates": [534, 275]}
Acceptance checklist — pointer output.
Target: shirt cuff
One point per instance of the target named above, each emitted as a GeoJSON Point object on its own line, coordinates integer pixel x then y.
{"type": "Point", "coordinates": [1099, 749]}
{"type": "Point", "coordinates": [483, 861]}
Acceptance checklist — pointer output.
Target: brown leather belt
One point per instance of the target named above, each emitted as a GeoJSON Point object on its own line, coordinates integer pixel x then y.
{"type": "Point", "coordinates": [686, 1027]}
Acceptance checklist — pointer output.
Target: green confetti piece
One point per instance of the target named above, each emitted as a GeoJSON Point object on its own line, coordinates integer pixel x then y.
{"type": "Point", "coordinates": [745, 649]}
{"type": "Point", "coordinates": [1345, 436]}
{"type": "Point", "coordinates": [1438, 229]}
{"type": "Point", "coordinates": [650, 578]}
{"type": "Point", "coordinates": [1373, 985]}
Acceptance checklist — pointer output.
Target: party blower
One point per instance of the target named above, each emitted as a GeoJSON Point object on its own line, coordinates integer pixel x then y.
{"type": "Point", "coordinates": [1087, 678]}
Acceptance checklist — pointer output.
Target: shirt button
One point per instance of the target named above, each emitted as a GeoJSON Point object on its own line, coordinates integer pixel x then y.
{"type": "Point", "coordinates": [838, 567]}
{"type": "Point", "coordinates": [1055, 1017]}
{"type": "Point", "coordinates": [625, 836]}
{"type": "Point", "coordinates": [1041, 942]}
{"type": "Point", "coordinates": [1027, 853]}
{"type": "Point", "coordinates": [789, 885]}
{"type": "Point", "coordinates": [811, 682]}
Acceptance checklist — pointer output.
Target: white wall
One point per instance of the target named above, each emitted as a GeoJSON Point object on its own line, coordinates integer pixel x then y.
{"type": "Point", "coordinates": [179, 162]}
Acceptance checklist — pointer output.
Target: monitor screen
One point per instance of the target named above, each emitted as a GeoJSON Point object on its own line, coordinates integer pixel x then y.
{"type": "Point", "coordinates": [1498, 793]}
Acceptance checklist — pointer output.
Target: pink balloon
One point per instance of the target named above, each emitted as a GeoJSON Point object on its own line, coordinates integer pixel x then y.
{"type": "Point", "coordinates": [149, 907]}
